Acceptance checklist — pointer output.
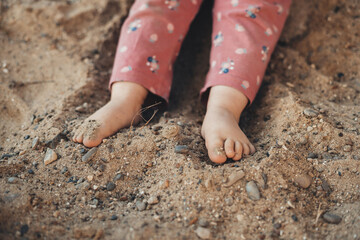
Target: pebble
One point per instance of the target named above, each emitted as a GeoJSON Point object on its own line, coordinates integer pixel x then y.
{"type": "Point", "coordinates": [229, 201]}
{"type": "Point", "coordinates": [312, 155]}
{"type": "Point", "coordinates": [83, 186]}
{"type": "Point", "coordinates": [347, 148]}
{"type": "Point", "coordinates": [348, 141]}
{"type": "Point", "coordinates": [12, 180]}
{"type": "Point", "coordinates": [90, 178]}
{"type": "Point", "coordinates": [331, 218]}
{"type": "Point", "coordinates": [181, 149]}
{"type": "Point", "coordinates": [303, 140]}
{"type": "Point", "coordinates": [203, 222]}
{"type": "Point", "coordinates": [27, 137]}
{"type": "Point", "coordinates": [30, 171]}
{"type": "Point", "coordinates": [171, 131]}
{"type": "Point", "coordinates": [310, 112]}
{"type": "Point", "coordinates": [64, 170]}
{"type": "Point", "coordinates": [140, 205]}
{"type": "Point", "coordinates": [118, 177]}
{"type": "Point", "coordinates": [203, 233]}
{"type": "Point", "coordinates": [24, 229]}
{"type": "Point", "coordinates": [252, 191]}
{"type": "Point", "coordinates": [50, 156]}
{"type": "Point", "coordinates": [303, 181]}
{"type": "Point", "coordinates": [82, 108]}
{"type": "Point", "coordinates": [110, 186]}
{"type": "Point", "coordinates": [234, 177]}
{"type": "Point", "coordinates": [209, 183]}
{"type": "Point", "coordinates": [153, 200]}
{"type": "Point", "coordinates": [89, 155]}
{"type": "Point", "coordinates": [113, 217]}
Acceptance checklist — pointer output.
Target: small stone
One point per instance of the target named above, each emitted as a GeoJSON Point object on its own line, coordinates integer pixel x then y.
{"type": "Point", "coordinates": [153, 200]}
{"type": "Point", "coordinates": [203, 233]}
{"type": "Point", "coordinates": [90, 178]}
{"type": "Point", "coordinates": [203, 222]}
{"type": "Point", "coordinates": [83, 186]}
{"type": "Point", "coordinates": [303, 140]}
{"type": "Point", "coordinates": [312, 155]}
{"type": "Point", "coordinates": [181, 149]}
{"type": "Point", "coordinates": [89, 155]}
{"type": "Point", "coordinates": [56, 214]}
{"type": "Point", "coordinates": [347, 148]}
{"type": "Point", "coordinates": [209, 183]}
{"type": "Point", "coordinates": [82, 108]}
{"type": "Point", "coordinates": [140, 205]}
{"type": "Point", "coordinates": [64, 170]}
{"type": "Point", "coordinates": [113, 217]}
{"type": "Point", "coordinates": [118, 177]}
{"type": "Point", "coordinates": [50, 156]}
{"type": "Point", "coordinates": [310, 112]}
{"type": "Point", "coordinates": [27, 137]}
{"type": "Point", "coordinates": [252, 191]}
{"type": "Point", "coordinates": [24, 229]}
{"type": "Point", "coordinates": [348, 141]}
{"type": "Point", "coordinates": [331, 218]}
{"type": "Point", "coordinates": [234, 177]}
{"type": "Point", "coordinates": [229, 201]}
{"type": "Point", "coordinates": [12, 180]}
{"type": "Point", "coordinates": [294, 217]}
{"type": "Point", "coordinates": [110, 186]}
{"type": "Point", "coordinates": [303, 181]}
{"type": "Point", "coordinates": [30, 171]}
{"type": "Point", "coordinates": [171, 131]}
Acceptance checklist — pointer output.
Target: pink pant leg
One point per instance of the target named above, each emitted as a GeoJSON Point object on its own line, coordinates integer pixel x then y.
{"type": "Point", "coordinates": [149, 43]}
{"type": "Point", "coordinates": [244, 35]}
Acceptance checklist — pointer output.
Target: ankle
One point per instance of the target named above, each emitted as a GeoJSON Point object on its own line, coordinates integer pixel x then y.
{"type": "Point", "coordinates": [128, 91]}
{"type": "Point", "coordinates": [228, 99]}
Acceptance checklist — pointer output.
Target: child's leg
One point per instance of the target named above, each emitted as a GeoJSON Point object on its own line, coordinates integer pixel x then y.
{"type": "Point", "coordinates": [149, 43]}
{"type": "Point", "coordinates": [244, 35]}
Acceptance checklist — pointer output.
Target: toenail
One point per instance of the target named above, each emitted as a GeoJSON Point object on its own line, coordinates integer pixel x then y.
{"type": "Point", "coordinates": [219, 151]}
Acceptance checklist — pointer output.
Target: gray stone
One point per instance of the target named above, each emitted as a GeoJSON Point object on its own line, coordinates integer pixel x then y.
{"type": "Point", "coordinates": [347, 148]}
{"type": "Point", "coordinates": [203, 233]}
{"type": "Point", "coordinates": [12, 180]}
{"type": "Point", "coordinates": [153, 200]}
{"type": "Point", "coordinates": [310, 112]}
{"type": "Point", "coordinates": [83, 186]}
{"type": "Point", "coordinates": [203, 222]}
{"type": "Point", "coordinates": [252, 191]}
{"type": "Point", "coordinates": [110, 186]}
{"type": "Point", "coordinates": [118, 177]}
{"type": "Point", "coordinates": [181, 149]}
{"type": "Point", "coordinates": [229, 201]}
{"type": "Point", "coordinates": [331, 218]}
{"type": "Point", "coordinates": [140, 205]}
{"type": "Point", "coordinates": [234, 177]}
{"type": "Point", "coordinates": [89, 155]}
{"type": "Point", "coordinates": [35, 143]}
{"type": "Point", "coordinates": [50, 156]}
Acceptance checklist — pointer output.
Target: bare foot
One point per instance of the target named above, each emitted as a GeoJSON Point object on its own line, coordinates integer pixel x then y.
{"type": "Point", "coordinates": [223, 136]}
{"type": "Point", "coordinates": [121, 111]}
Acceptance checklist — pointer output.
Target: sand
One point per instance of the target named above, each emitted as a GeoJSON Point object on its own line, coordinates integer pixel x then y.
{"type": "Point", "coordinates": [55, 62]}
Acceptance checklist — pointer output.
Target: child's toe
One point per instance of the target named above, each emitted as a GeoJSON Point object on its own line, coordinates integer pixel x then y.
{"type": "Point", "coordinates": [229, 146]}
{"type": "Point", "coordinates": [252, 149]}
{"type": "Point", "coordinates": [238, 151]}
{"type": "Point", "coordinates": [216, 150]}
{"type": "Point", "coordinates": [246, 148]}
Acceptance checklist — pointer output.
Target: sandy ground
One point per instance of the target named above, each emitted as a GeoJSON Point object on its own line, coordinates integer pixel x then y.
{"type": "Point", "coordinates": [55, 61]}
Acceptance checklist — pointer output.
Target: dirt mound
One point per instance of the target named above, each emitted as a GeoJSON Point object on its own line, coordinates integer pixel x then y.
{"type": "Point", "coordinates": [155, 180]}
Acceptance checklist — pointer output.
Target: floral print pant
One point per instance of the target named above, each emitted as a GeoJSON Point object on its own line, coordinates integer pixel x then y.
{"type": "Point", "coordinates": [244, 35]}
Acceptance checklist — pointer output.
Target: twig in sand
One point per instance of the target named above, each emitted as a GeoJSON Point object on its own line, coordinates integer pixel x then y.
{"type": "Point", "coordinates": [143, 110]}
{"type": "Point", "coordinates": [319, 212]}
